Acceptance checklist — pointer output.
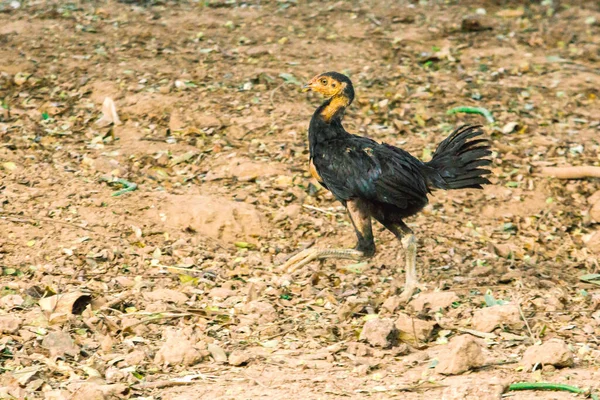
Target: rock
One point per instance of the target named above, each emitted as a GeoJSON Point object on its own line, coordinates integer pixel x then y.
{"type": "Point", "coordinates": [554, 352]}
{"type": "Point", "coordinates": [595, 212]}
{"type": "Point", "coordinates": [60, 344]}
{"type": "Point", "coordinates": [593, 242]}
{"type": "Point", "coordinates": [213, 216]}
{"type": "Point", "coordinates": [217, 353]}
{"type": "Point", "coordinates": [379, 332]}
{"type": "Point", "coordinates": [238, 357]}
{"type": "Point", "coordinates": [177, 349]}
{"type": "Point", "coordinates": [489, 318]}
{"type": "Point", "coordinates": [9, 324]}
{"type": "Point", "coordinates": [167, 295]}
{"type": "Point", "coordinates": [265, 310]}
{"type": "Point", "coordinates": [391, 303]}
{"type": "Point", "coordinates": [502, 250]}
{"type": "Point", "coordinates": [206, 121]}
{"type": "Point", "coordinates": [463, 353]}
{"type": "Point", "coordinates": [433, 301]}
{"type": "Point", "coordinates": [290, 212]}
{"type": "Point", "coordinates": [595, 198]}
{"type": "Point", "coordinates": [409, 327]}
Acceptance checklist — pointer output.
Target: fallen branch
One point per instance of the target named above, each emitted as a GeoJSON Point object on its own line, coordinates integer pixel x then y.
{"type": "Point", "coordinates": [580, 172]}
{"type": "Point", "coordinates": [550, 386]}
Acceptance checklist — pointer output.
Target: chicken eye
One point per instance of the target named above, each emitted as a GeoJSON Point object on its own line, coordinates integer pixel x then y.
{"type": "Point", "coordinates": [324, 81]}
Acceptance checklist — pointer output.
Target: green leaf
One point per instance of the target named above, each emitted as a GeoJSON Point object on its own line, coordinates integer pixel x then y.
{"type": "Point", "coordinates": [591, 278]}
{"type": "Point", "coordinates": [188, 279]}
{"type": "Point", "coordinates": [244, 245]}
{"type": "Point", "coordinates": [45, 116]}
{"type": "Point", "coordinates": [289, 78]}
{"type": "Point", "coordinates": [489, 300]}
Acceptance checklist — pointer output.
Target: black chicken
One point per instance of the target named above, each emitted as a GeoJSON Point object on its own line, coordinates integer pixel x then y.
{"type": "Point", "coordinates": [381, 181]}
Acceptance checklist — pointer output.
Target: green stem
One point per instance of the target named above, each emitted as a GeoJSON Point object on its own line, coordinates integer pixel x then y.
{"type": "Point", "coordinates": [548, 386]}
{"type": "Point", "coordinates": [127, 186]}
{"type": "Point", "coordinates": [472, 110]}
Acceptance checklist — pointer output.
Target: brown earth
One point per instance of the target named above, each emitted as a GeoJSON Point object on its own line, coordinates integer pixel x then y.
{"type": "Point", "coordinates": [181, 273]}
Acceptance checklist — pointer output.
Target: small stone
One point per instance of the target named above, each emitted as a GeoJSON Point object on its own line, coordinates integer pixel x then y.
{"type": "Point", "coordinates": [391, 303]}
{"type": "Point", "coordinates": [593, 242]}
{"type": "Point", "coordinates": [463, 353]}
{"type": "Point", "coordinates": [489, 318]}
{"type": "Point", "coordinates": [362, 370]}
{"type": "Point", "coordinates": [594, 198]}
{"type": "Point", "coordinates": [379, 332]}
{"type": "Point", "coordinates": [238, 358]}
{"type": "Point", "coordinates": [217, 353]}
{"type": "Point", "coordinates": [9, 324]}
{"type": "Point", "coordinates": [433, 301]}
{"type": "Point", "coordinates": [409, 327]}
{"type": "Point", "coordinates": [290, 212]}
{"type": "Point", "coordinates": [554, 352]}
{"type": "Point", "coordinates": [595, 212]}
{"type": "Point", "coordinates": [177, 349]}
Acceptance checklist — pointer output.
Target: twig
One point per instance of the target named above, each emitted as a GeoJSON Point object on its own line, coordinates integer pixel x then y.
{"type": "Point", "coordinates": [188, 380]}
{"type": "Point", "coordinates": [524, 319]}
{"type": "Point", "coordinates": [306, 246]}
{"type": "Point", "coordinates": [570, 172]}
{"type": "Point", "coordinates": [33, 221]}
{"type": "Point", "coordinates": [273, 93]}
{"type": "Point", "coordinates": [472, 110]}
{"type": "Point", "coordinates": [158, 317]}
{"type": "Point", "coordinates": [319, 210]}
{"type": "Point", "coordinates": [116, 300]}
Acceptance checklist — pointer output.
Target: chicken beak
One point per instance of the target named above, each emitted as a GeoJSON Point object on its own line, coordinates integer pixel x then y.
{"type": "Point", "coordinates": [306, 88]}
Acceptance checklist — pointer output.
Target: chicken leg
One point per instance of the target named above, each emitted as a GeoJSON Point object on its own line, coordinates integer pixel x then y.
{"type": "Point", "coordinates": [365, 247]}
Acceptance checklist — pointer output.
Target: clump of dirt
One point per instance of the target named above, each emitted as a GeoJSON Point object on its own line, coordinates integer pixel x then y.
{"type": "Point", "coordinates": [170, 290]}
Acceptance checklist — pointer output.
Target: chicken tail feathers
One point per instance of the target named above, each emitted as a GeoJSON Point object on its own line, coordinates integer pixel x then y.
{"type": "Point", "coordinates": [457, 161]}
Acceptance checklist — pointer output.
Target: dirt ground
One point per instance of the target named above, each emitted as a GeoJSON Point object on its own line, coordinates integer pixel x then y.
{"type": "Point", "coordinates": [171, 291]}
